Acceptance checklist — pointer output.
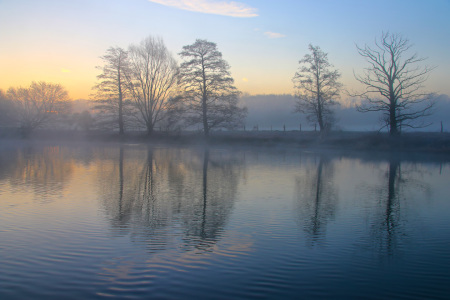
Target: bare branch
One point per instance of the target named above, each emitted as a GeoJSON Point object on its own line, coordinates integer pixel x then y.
{"type": "Point", "coordinates": [38, 104]}
{"type": "Point", "coordinates": [393, 83]}
{"type": "Point", "coordinates": [152, 81]}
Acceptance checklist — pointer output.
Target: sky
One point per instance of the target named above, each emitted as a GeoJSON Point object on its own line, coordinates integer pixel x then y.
{"type": "Point", "coordinates": [61, 41]}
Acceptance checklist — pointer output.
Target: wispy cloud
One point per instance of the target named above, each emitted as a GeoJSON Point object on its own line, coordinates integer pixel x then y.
{"type": "Point", "coordinates": [274, 35]}
{"type": "Point", "coordinates": [224, 8]}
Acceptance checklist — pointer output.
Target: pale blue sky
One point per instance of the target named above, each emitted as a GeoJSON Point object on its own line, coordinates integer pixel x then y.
{"type": "Point", "coordinates": [61, 40]}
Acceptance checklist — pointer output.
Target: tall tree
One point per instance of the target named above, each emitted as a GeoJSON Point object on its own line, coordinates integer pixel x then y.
{"type": "Point", "coordinates": [152, 80]}
{"type": "Point", "coordinates": [211, 97]}
{"type": "Point", "coordinates": [37, 105]}
{"type": "Point", "coordinates": [394, 83]}
{"type": "Point", "coordinates": [111, 91]}
{"type": "Point", "coordinates": [318, 88]}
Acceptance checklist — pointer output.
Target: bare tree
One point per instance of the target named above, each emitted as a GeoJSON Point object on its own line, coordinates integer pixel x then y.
{"type": "Point", "coordinates": [318, 88]}
{"type": "Point", "coordinates": [211, 97]}
{"type": "Point", "coordinates": [111, 92]}
{"type": "Point", "coordinates": [394, 83]}
{"type": "Point", "coordinates": [152, 80]}
{"type": "Point", "coordinates": [38, 104]}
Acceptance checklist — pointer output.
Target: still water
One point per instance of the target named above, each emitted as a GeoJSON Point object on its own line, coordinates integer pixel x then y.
{"type": "Point", "coordinates": [133, 221]}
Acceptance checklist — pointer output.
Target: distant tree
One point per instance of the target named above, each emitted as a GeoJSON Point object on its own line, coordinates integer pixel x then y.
{"type": "Point", "coordinates": [37, 105]}
{"type": "Point", "coordinates": [6, 110]}
{"type": "Point", "coordinates": [318, 88]}
{"type": "Point", "coordinates": [111, 92]}
{"type": "Point", "coordinates": [83, 120]}
{"type": "Point", "coordinates": [394, 83]}
{"type": "Point", "coordinates": [152, 80]}
{"type": "Point", "coordinates": [209, 93]}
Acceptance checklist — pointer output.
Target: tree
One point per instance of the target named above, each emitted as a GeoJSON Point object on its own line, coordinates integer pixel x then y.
{"type": "Point", "coordinates": [83, 120]}
{"type": "Point", "coordinates": [37, 105]}
{"type": "Point", "coordinates": [6, 110]}
{"type": "Point", "coordinates": [152, 80]}
{"type": "Point", "coordinates": [318, 87]}
{"type": "Point", "coordinates": [211, 98]}
{"type": "Point", "coordinates": [111, 92]}
{"type": "Point", "coordinates": [399, 82]}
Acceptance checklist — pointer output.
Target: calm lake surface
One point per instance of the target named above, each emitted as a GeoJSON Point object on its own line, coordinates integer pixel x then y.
{"type": "Point", "coordinates": [133, 221]}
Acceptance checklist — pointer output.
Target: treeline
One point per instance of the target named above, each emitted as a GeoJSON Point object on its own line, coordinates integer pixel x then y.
{"type": "Point", "coordinates": [143, 87]}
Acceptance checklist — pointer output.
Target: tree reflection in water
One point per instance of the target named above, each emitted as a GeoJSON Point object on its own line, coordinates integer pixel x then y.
{"type": "Point", "coordinates": [157, 195]}
{"type": "Point", "coordinates": [317, 197]}
{"type": "Point", "coordinates": [392, 213]}
{"type": "Point", "coordinates": [390, 200]}
{"type": "Point", "coordinates": [386, 223]}
{"type": "Point", "coordinates": [389, 228]}
{"type": "Point", "coordinates": [44, 169]}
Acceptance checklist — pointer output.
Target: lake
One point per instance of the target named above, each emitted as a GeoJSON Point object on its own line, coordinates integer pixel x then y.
{"type": "Point", "coordinates": [170, 222]}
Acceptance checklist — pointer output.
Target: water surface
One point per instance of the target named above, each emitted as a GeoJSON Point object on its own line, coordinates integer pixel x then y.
{"type": "Point", "coordinates": [133, 221]}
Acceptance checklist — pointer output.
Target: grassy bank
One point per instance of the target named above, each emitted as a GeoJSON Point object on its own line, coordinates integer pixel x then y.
{"type": "Point", "coordinates": [410, 142]}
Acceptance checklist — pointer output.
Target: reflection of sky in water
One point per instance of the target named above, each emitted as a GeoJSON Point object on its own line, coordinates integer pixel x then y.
{"type": "Point", "coordinates": [174, 222]}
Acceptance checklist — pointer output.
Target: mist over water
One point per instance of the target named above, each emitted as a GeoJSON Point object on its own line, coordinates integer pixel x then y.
{"type": "Point", "coordinates": [93, 221]}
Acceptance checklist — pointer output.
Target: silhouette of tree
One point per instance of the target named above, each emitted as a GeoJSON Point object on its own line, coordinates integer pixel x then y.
{"type": "Point", "coordinates": [83, 120]}
{"type": "Point", "coordinates": [6, 110]}
{"type": "Point", "coordinates": [111, 92]}
{"type": "Point", "coordinates": [37, 105]}
{"type": "Point", "coordinates": [211, 97]}
{"type": "Point", "coordinates": [152, 80]}
{"type": "Point", "coordinates": [317, 198]}
{"type": "Point", "coordinates": [44, 169]}
{"type": "Point", "coordinates": [401, 184]}
{"type": "Point", "coordinates": [146, 192]}
{"type": "Point", "coordinates": [318, 88]}
{"type": "Point", "coordinates": [399, 82]}
{"type": "Point", "coordinates": [212, 192]}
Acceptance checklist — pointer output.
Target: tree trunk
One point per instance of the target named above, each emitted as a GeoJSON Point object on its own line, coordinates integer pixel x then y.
{"type": "Point", "coordinates": [393, 126]}
{"type": "Point", "coordinates": [321, 125]}
{"type": "Point", "coordinates": [205, 117]}
{"type": "Point", "coordinates": [204, 98]}
{"type": "Point", "coordinates": [319, 104]}
{"type": "Point", "coordinates": [119, 81]}
{"type": "Point", "coordinates": [149, 129]}
{"type": "Point", "coordinates": [121, 131]}
{"type": "Point", "coordinates": [320, 117]}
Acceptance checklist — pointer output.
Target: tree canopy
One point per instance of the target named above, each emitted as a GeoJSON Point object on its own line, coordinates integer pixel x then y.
{"type": "Point", "coordinates": [152, 81]}
{"type": "Point", "coordinates": [318, 88]}
{"type": "Point", "coordinates": [37, 104]}
{"type": "Point", "coordinates": [111, 92]}
{"type": "Point", "coordinates": [209, 92]}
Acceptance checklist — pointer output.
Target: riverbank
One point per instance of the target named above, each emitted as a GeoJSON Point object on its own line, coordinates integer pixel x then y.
{"type": "Point", "coordinates": [352, 141]}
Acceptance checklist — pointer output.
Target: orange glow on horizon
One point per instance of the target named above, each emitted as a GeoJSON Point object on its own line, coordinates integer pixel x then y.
{"type": "Point", "coordinates": [77, 76]}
